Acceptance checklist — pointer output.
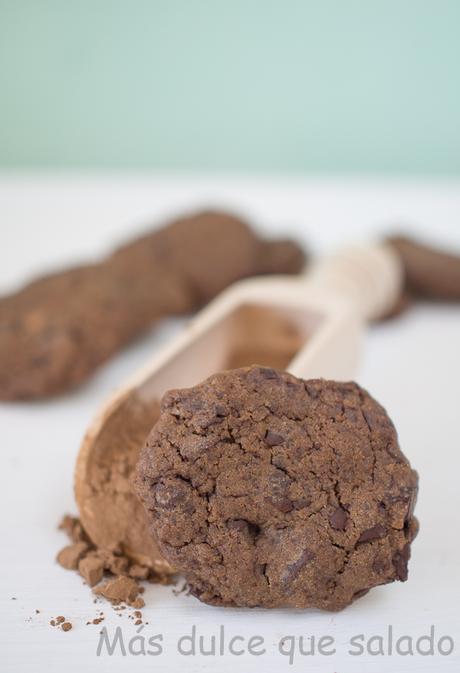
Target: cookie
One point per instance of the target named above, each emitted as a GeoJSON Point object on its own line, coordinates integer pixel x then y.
{"type": "Point", "coordinates": [56, 331]}
{"type": "Point", "coordinates": [429, 273]}
{"type": "Point", "coordinates": [267, 490]}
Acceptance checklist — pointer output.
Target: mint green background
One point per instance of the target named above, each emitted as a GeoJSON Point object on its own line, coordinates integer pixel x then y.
{"type": "Point", "coordinates": [341, 86]}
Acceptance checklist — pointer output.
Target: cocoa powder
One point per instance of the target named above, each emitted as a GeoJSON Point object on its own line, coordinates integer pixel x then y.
{"type": "Point", "coordinates": [110, 574]}
{"type": "Point", "coordinates": [110, 513]}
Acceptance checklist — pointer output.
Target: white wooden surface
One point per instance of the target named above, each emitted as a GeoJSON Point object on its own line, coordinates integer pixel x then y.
{"type": "Point", "coordinates": [411, 365]}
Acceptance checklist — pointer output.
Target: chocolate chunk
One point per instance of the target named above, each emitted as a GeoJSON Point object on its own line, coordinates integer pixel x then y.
{"type": "Point", "coordinates": [338, 519]}
{"type": "Point", "coordinates": [267, 373]}
{"type": "Point", "coordinates": [400, 561]}
{"type": "Point", "coordinates": [379, 565]}
{"type": "Point", "coordinates": [293, 569]}
{"type": "Point", "coordinates": [360, 593]}
{"type": "Point", "coordinates": [273, 439]}
{"type": "Point", "coordinates": [373, 533]}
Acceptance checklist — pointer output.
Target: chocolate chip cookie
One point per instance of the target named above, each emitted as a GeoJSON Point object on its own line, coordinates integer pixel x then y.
{"type": "Point", "coordinates": [267, 490]}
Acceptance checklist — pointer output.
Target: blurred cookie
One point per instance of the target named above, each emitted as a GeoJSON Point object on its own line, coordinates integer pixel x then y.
{"type": "Point", "coordinates": [430, 273]}
{"type": "Point", "coordinates": [57, 330]}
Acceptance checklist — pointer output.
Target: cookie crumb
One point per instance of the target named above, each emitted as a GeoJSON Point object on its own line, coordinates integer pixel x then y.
{"type": "Point", "coordinates": [70, 556]}
{"type": "Point", "coordinates": [92, 569]}
{"type": "Point", "coordinates": [139, 572]}
{"type": "Point", "coordinates": [98, 620]}
{"type": "Point", "coordinates": [120, 589]}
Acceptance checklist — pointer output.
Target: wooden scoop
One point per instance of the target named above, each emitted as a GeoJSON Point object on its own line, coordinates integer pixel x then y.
{"type": "Point", "coordinates": [312, 326]}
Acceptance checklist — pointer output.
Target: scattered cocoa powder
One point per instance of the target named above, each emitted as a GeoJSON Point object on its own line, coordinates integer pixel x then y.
{"type": "Point", "coordinates": [62, 622]}
{"type": "Point", "coordinates": [110, 573]}
{"type": "Point", "coordinates": [98, 620]}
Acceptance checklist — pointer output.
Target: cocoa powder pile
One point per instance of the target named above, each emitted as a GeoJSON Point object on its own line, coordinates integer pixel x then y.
{"type": "Point", "coordinates": [110, 513]}
{"type": "Point", "coordinates": [111, 574]}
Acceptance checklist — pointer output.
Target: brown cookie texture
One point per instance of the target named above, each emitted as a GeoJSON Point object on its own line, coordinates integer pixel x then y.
{"type": "Point", "coordinates": [267, 490]}
{"type": "Point", "coordinates": [58, 329]}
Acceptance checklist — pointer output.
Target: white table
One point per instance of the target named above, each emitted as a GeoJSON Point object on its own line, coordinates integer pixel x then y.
{"type": "Point", "coordinates": [411, 365]}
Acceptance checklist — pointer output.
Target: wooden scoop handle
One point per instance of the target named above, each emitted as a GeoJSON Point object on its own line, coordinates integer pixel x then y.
{"type": "Point", "coordinates": [369, 276]}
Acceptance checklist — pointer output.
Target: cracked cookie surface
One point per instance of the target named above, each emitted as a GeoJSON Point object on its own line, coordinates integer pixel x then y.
{"type": "Point", "coordinates": [267, 490]}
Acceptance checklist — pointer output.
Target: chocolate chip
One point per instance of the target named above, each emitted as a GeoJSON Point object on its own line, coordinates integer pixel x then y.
{"type": "Point", "coordinates": [360, 593]}
{"type": "Point", "coordinates": [373, 419]}
{"type": "Point", "coordinates": [312, 389]}
{"type": "Point", "coordinates": [379, 564]}
{"type": "Point", "coordinates": [237, 524]}
{"type": "Point", "coordinates": [170, 496]}
{"type": "Point", "coordinates": [268, 373]}
{"type": "Point", "coordinates": [301, 503]}
{"type": "Point", "coordinates": [278, 484]}
{"type": "Point", "coordinates": [293, 569]}
{"type": "Point", "coordinates": [373, 533]}
{"type": "Point", "coordinates": [338, 519]}
{"type": "Point", "coordinates": [351, 414]}
{"type": "Point", "coordinates": [243, 526]}
{"type": "Point", "coordinates": [282, 503]}
{"type": "Point", "coordinates": [400, 560]}
{"type": "Point", "coordinates": [273, 439]}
